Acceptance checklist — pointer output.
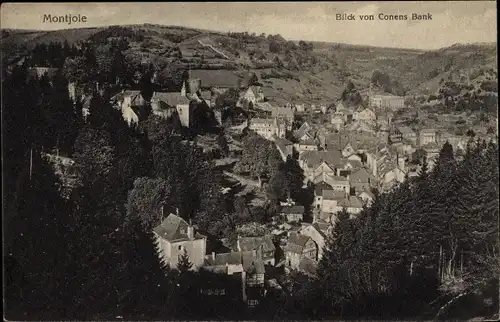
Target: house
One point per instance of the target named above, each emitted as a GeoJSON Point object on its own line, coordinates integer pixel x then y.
{"type": "Point", "coordinates": [163, 101]}
{"type": "Point", "coordinates": [341, 107]}
{"type": "Point", "coordinates": [299, 247]}
{"type": "Point", "coordinates": [386, 101]}
{"type": "Point", "coordinates": [318, 235]}
{"type": "Point", "coordinates": [264, 244]}
{"type": "Point", "coordinates": [367, 197]}
{"type": "Point", "coordinates": [75, 91]}
{"type": "Point", "coordinates": [268, 127]}
{"type": "Point", "coordinates": [408, 134]}
{"type": "Point", "coordinates": [38, 72]}
{"type": "Point", "coordinates": [285, 113]}
{"type": "Point", "coordinates": [315, 163]}
{"type": "Point", "coordinates": [334, 141]}
{"type": "Point", "coordinates": [306, 145]}
{"type": "Point", "coordinates": [319, 189]}
{"type": "Point", "coordinates": [427, 136]}
{"type": "Point", "coordinates": [284, 147]}
{"type": "Point", "coordinates": [362, 126]}
{"type": "Point", "coordinates": [391, 173]}
{"type": "Point", "coordinates": [361, 180]}
{"type": "Point", "coordinates": [132, 105]}
{"type": "Point", "coordinates": [348, 150]}
{"type": "Point", "coordinates": [337, 121]}
{"type": "Point", "coordinates": [364, 114]}
{"type": "Point", "coordinates": [347, 166]}
{"type": "Point", "coordinates": [264, 106]}
{"type": "Point", "coordinates": [247, 264]}
{"type": "Point", "coordinates": [300, 108]}
{"type": "Point", "coordinates": [330, 200]}
{"type": "Point", "coordinates": [175, 236]}
{"type": "Point", "coordinates": [293, 213]}
{"type": "Point", "coordinates": [352, 204]}
{"type": "Point", "coordinates": [253, 94]}
{"type": "Point", "coordinates": [224, 263]}
{"type": "Point", "coordinates": [338, 183]}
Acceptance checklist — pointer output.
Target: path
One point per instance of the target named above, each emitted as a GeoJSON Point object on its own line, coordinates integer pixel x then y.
{"type": "Point", "coordinates": [214, 49]}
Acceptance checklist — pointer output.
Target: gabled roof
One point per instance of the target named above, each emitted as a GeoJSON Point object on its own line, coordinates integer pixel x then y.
{"type": "Point", "coordinates": [251, 243]}
{"type": "Point", "coordinates": [333, 195]}
{"type": "Point", "coordinates": [354, 163]}
{"type": "Point", "coordinates": [320, 187]}
{"type": "Point", "coordinates": [322, 227]}
{"type": "Point", "coordinates": [282, 111]}
{"type": "Point", "coordinates": [360, 176]}
{"type": "Point", "coordinates": [315, 158]}
{"type": "Point", "coordinates": [296, 243]}
{"type": "Point", "coordinates": [292, 209]}
{"type": "Point", "coordinates": [337, 141]}
{"type": "Point", "coordinates": [351, 202]}
{"type": "Point", "coordinates": [307, 142]}
{"type": "Point", "coordinates": [173, 228]}
{"type": "Point", "coordinates": [405, 130]}
{"type": "Point", "coordinates": [338, 179]}
{"type": "Point", "coordinates": [369, 193]}
{"type": "Point", "coordinates": [135, 95]}
{"type": "Point", "coordinates": [232, 258]}
{"type": "Point", "coordinates": [171, 99]}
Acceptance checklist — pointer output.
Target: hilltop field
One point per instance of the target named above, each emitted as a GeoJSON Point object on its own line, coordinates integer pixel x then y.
{"type": "Point", "coordinates": [290, 71]}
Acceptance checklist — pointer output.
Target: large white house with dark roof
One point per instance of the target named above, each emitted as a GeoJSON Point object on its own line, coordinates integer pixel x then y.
{"type": "Point", "coordinates": [174, 236]}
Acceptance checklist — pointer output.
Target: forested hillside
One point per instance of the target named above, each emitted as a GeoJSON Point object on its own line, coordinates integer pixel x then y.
{"type": "Point", "coordinates": [290, 70]}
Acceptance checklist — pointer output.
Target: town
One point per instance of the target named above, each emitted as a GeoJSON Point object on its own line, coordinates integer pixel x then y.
{"type": "Point", "coordinates": [207, 187]}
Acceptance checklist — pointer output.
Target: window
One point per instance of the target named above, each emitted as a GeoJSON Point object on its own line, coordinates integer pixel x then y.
{"type": "Point", "coordinates": [179, 247]}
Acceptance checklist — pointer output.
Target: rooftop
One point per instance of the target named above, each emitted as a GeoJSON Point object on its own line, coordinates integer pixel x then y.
{"type": "Point", "coordinates": [171, 99]}
{"type": "Point", "coordinates": [174, 228]}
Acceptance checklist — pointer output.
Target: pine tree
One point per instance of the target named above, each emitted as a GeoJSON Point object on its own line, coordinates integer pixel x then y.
{"type": "Point", "coordinates": [40, 217]}
{"type": "Point", "coordinates": [183, 264]}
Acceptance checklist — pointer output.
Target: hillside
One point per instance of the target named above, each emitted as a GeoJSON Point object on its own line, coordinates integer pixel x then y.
{"type": "Point", "coordinates": [289, 70]}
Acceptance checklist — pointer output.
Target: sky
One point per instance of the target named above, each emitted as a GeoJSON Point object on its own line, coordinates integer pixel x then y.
{"type": "Point", "coordinates": [452, 21]}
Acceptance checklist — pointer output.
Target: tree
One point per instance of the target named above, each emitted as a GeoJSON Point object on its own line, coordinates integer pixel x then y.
{"type": "Point", "coordinates": [41, 288]}
{"type": "Point", "coordinates": [146, 284]}
{"type": "Point", "coordinates": [184, 265]}
{"type": "Point", "coordinates": [471, 133]}
{"type": "Point", "coordinates": [223, 145]}
{"type": "Point", "coordinates": [145, 201]}
{"type": "Point", "coordinates": [93, 153]}
{"type": "Point", "coordinates": [275, 46]}
{"type": "Point", "coordinates": [277, 188]}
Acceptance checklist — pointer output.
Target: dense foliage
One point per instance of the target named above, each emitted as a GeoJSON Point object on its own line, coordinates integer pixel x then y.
{"type": "Point", "coordinates": [418, 250]}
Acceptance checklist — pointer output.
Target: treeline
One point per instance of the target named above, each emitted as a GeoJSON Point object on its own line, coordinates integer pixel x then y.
{"type": "Point", "coordinates": [52, 54]}
{"type": "Point", "coordinates": [428, 249]}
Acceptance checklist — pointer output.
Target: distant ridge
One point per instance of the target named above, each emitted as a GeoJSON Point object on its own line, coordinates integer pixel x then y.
{"type": "Point", "coordinates": [13, 31]}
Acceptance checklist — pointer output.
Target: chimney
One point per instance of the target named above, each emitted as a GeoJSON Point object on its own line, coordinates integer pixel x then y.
{"type": "Point", "coordinates": [190, 232]}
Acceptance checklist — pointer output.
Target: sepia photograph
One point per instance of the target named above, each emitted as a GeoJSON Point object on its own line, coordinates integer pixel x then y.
{"type": "Point", "coordinates": [174, 161]}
